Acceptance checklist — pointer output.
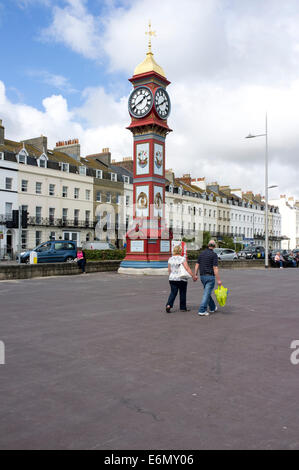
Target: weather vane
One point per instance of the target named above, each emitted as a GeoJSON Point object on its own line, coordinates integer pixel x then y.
{"type": "Point", "coordinates": [150, 34]}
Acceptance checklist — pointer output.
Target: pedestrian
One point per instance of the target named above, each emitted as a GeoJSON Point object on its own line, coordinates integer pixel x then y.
{"type": "Point", "coordinates": [279, 260]}
{"type": "Point", "coordinates": [207, 264]}
{"type": "Point", "coordinates": [81, 260]}
{"type": "Point", "coordinates": [292, 259]}
{"type": "Point", "coordinates": [297, 258]}
{"type": "Point", "coordinates": [176, 281]}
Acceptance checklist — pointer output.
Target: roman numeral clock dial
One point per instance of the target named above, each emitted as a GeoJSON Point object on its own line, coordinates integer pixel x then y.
{"type": "Point", "coordinates": [162, 103]}
{"type": "Point", "coordinates": [140, 102]}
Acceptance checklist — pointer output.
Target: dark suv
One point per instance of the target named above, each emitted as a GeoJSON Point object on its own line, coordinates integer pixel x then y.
{"type": "Point", "coordinates": [252, 252]}
{"type": "Point", "coordinates": [54, 251]}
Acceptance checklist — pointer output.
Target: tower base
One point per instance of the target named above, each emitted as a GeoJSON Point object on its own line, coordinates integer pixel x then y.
{"type": "Point", "coordinates": [143, 268]}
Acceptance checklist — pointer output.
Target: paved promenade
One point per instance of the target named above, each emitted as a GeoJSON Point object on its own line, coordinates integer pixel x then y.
{"type": "Point", "coordinates": [94, 362]}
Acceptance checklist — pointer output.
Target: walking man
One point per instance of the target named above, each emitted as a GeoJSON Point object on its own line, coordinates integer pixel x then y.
{"type": "Point", "coordinates": [207, 263]}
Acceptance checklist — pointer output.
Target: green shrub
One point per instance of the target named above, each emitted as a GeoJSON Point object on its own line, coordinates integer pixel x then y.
{"type": "Point", "coordinates": [193, 254]}
{"type": "Point", "coordinates": [94, 255]}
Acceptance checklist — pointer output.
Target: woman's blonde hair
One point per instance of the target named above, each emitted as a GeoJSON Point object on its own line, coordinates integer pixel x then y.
{"type": "Point", "coordinates": [177, 250]}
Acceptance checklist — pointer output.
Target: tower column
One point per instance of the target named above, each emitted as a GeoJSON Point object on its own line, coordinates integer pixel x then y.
{"type": "Point", "coordinates": [148, 239]}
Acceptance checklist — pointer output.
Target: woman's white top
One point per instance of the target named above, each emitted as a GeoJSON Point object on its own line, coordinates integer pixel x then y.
{"type": "Point", "coordinates": [175, 262]}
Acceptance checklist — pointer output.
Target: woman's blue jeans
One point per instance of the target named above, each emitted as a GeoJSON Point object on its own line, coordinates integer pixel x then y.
{"type": "Point", "coordinates": [208, 283]}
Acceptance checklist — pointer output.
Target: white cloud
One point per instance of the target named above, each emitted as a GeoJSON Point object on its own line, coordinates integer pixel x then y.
{"type": "Point", "coordinates": [58, 122]}
{"type": "Point", "coordinates": [76, 28]}
{"type": "Point", "coordinates": [54, 80]}
{"type": "Point", "coordinates": [229, 63]}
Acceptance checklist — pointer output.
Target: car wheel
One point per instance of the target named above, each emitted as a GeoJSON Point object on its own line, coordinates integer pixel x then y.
{"type": "Point", "coordinates": [69, 259]}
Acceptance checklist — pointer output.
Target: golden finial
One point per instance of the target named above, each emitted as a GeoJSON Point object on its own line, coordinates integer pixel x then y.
{"type": "Point", "coordinates": [150, 33]}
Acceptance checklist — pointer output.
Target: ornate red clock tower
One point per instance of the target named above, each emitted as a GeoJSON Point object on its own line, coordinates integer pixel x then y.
{"type": "Point", "coordinates": [149, 240]}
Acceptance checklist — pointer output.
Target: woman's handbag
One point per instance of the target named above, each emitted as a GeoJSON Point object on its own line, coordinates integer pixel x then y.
{"type": "Point", "coordinates": [183, 274]}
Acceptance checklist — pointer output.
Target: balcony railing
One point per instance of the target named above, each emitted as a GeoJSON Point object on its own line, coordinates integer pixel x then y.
{"type": "Point", "coordinates": [53, 222]}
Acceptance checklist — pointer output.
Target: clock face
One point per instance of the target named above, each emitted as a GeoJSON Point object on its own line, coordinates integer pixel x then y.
{"type": "Point", "coordinates": [140, 101]}
{"type": "Point", "coordinates": [162, 103]}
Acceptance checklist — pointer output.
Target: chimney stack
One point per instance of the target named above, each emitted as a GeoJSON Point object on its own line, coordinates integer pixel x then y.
{"type": "Point", "coordinates": [103, 157]}
{"type": "Point", "coordinates": [41, 143]}
{"type": "Point", "coordinates": [2, 133]}
{"type": "Point", "coordinates": [70, 147]}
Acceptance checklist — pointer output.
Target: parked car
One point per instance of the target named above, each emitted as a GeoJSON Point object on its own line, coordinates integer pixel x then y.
{"type": "Point", "coordinates": [98, 246]}
{"type": "Point", "coordinates": [226, 254]}
{"type": "Point", "coordinates": [53, 251]}
{"type": "Point", "coordinates": [252, 252]}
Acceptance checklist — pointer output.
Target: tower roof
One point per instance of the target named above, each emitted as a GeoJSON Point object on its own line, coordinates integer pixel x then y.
{"type": "Point", "coordinates": [149, 65]}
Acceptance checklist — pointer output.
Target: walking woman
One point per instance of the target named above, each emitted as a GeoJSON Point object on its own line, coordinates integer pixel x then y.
{"type": "Point", "coordinates": [176, 281]}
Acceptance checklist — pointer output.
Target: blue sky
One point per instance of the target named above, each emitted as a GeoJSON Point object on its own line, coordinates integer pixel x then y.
{"type": "Point", "coordinates": [34, 67]}
{"type": "Point", "coordinates": [65, 66]}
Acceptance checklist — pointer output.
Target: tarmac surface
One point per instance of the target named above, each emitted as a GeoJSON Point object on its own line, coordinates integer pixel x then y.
{"type": "Point", "coordinates": [94, 362]}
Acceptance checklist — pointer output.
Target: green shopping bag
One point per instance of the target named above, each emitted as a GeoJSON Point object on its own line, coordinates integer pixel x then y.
{"type": "Point", "coordinates": [221, 295]}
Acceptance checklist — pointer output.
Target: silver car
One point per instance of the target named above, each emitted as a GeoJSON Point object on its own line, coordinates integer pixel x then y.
{"type": "Point", "coordinates": [226, 254]}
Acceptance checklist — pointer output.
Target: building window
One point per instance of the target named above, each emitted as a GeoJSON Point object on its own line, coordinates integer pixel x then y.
{"type": "Point", "coordinates": [87, 195]}
{"type": "Point", "coordinates": [113, 177]}
{"type": "Point", "coordinates": [1, 155]}
{"type": "Point", "coordinates": [38, 188]}
{"type": "Point", "coordinates": [38, 214]}
{"type": "Point", "coordinates": [82, 170]}
{"type": "Point", "coordinates": [99, 174]}
{"type": "Point", "coordinates": [98, 196]}
{"type": "Point", "coordinates": [127, 201]}
{"type": "Point", "coordinates": [51, 214]}
{"type": "Point", "coordinates": [76, 216]}
{"type": "Point", "coordinates": [108, 197]}
{"type": "Point", "coordinates": [24, 239]}
{"type": "Point", "coordinates": [38, 237]}
{"type": "Point", "coordinates": [8, 184]}
{"type": "Point", "coordinates": [51, 189]}
{"type": "Point", "coordinates": [24, 186]}
{"type": "Point", "coordinates": [64, 215]}
{"type": "Point", "coordinates": [118, 199]}
{"type": "Point", "coordinates": [64, 167]}
{"type": "Point", "coordinates": [64, 191]}
{"type": "Point", "coordinates": [76, 193]}
{"type": "Point", "coordinates": [87, 217]}
{"type": "Point", "coordinates": [127, 180]}
{"type": "Point", "coordinates": [52, 236]}
{"type": "Point", "coordinates": [8, 209]}
{"type": "Point", "coordinates": [71, 236]}
{"type": "Point", "coordinates": [42, 161]}
{"type": "Point", "coordinates": [22, 158]}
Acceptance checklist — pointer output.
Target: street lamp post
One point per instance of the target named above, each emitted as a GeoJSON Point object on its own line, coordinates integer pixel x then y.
{"type": "Point", "coordinates": [250, 136]}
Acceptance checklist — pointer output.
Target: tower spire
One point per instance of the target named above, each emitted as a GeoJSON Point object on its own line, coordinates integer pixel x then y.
{"type": "Point", "coordinates": [150, 34]}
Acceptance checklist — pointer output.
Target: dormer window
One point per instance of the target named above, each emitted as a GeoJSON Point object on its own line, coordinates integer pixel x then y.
{"type": "Point", "coordinates": [113, 177]}
{"type": "Point", "coordinates": [64, 167]}
{"type": "Point", "coordinates": [1, 155]}
{"type": "Point", "coordinates": [42, 161]}
{"type": "Point", "coordinates": [126, 179]}
{"type": "Point", "coordinates": [180, 190]}
{"type": "Point", "coordinates": [99, 174]}
{"type": "Point", "coordinates": [82, 170]}
{"type": "Point", "coordinates": [170, 188]}
{"type": "Point", "coordinates": [22, 156]}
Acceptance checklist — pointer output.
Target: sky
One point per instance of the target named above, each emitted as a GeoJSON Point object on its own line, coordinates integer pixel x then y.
{"type": "Point", "coordinates": [65, 66]}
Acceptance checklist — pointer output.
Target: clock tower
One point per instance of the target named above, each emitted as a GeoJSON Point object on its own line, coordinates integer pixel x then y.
{"type": "Point", "coordinates": [148, 239]}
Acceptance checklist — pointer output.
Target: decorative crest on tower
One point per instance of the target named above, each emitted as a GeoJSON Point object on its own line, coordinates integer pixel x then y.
{"type": "Point", "coordinates": [150, 34]}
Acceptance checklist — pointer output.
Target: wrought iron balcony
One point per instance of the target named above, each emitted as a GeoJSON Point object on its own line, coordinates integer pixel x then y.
{"type": "Point", "coordinates": [53, 222]}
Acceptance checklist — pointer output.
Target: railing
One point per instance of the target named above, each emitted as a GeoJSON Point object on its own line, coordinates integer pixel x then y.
{"type": "Point", "coordinates": [53, 222]}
